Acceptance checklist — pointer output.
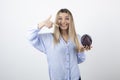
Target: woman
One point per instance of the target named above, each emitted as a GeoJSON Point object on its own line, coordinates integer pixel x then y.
{"type": "Point", "coordinates": [62, 47]}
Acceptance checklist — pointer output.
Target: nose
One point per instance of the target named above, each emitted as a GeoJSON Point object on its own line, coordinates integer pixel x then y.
{"type": "Point", "coordinates": [63, 21]}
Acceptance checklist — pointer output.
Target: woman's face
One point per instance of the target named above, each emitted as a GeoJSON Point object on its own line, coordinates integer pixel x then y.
{"type": "Point", "coordinates": [63, 21]}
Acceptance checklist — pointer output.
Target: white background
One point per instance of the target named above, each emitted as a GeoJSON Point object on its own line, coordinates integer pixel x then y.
{"type": "Point", "coordinates": [98, 18]}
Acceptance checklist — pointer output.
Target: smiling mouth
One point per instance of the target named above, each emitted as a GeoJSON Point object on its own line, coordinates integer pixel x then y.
{"type": "Point", "coordinates": [64, 25]}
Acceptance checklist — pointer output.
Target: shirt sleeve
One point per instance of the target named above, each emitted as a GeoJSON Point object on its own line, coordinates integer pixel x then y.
{"type": "Point", "coordinates": [36, 39]}
{"type": "Point", "coordinates": [81, 57]}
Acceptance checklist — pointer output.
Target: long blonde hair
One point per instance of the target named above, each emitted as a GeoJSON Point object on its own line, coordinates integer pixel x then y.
{"type": "Point", "coordinates": [71, 31]}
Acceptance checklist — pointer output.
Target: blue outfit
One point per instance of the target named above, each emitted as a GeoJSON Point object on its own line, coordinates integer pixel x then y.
{"type": "Point", "coordinates": [63, 59]}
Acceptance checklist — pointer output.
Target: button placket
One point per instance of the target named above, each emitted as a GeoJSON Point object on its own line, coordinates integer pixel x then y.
{"type": "Point", "coordinates": [67, 62]}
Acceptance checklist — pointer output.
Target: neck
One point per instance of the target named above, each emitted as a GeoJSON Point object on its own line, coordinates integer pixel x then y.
{"type": "Point", "coordinates": [64, 34]}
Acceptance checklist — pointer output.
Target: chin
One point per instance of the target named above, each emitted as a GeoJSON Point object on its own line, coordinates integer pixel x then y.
{"type": "Point", "coordinates": [64, 28]}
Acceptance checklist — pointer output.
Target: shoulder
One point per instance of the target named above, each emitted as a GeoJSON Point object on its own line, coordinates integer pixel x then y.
{"type": "Point", "coordinates": [79, 36]}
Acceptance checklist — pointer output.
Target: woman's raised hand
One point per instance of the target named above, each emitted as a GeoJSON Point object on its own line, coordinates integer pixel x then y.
{"type": "Point", "coordinates": [47, 23]}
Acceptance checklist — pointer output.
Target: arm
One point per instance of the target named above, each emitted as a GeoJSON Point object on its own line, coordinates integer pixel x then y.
{"type": "Point", "coordinates": [38, 40]}
{"type": "Point", "coordinates": [81, 57]}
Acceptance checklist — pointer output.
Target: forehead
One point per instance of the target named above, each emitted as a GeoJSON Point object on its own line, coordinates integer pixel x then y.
{"type": "Point", "coordinates": [63, 15]}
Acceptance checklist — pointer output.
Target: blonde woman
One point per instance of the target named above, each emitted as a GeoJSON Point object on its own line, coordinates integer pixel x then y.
{"type": "Point", "coordinates": [62, 47]}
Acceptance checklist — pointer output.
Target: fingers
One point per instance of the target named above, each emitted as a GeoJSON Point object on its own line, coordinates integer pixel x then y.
{"type": "Point", "coordinates": [52, 22]}
{"type": "Point", "coordinates": [48, 19]}
{"type": "Point", "coordinates": [49, 23]}
{"type": "Point", "coordinates": [87, 48]}
{"type": "Point", "coordinates": [55, 24]}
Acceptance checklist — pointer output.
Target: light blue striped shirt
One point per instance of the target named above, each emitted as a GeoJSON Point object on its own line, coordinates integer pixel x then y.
{"type": "Point", "coordinates": [62, 58]}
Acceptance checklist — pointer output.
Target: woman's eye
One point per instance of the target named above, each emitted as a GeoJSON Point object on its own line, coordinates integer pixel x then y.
{"type": "Point", "coordinates": [59, 18]}
{"type": "Point", "coordinates": [67, 18]}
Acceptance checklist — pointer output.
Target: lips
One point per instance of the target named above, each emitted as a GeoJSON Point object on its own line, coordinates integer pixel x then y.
{"type": "Point", "coordinates": [64, 25]}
